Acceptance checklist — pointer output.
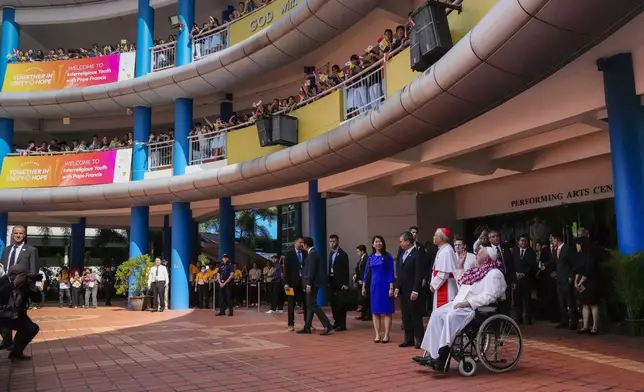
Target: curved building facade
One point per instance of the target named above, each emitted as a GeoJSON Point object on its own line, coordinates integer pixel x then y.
{"type": "Point", "coordinates": [430, 134]}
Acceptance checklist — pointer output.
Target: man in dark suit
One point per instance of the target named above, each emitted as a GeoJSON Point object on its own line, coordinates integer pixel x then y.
{"type": "Point", "coordinates": [408, 285]}
{"type": "Point", "coordinates": [20, 253]}
{"type": "Point", "coordinates": [365, 312]}
{"type": "Point", "coordinates": [293, 266]}
{"type": "Point", "coordinates": [338, 283]}
{"type": "Point", "coordinates": [563, 258]}
{"type": "Point", "coordinates": [526, 267]}
{"type": "Point", "coordinates": [17, 289]}
{"type": "Point", "coordinates": [508, 270]}
{"type": "Point", "coordinates": [314, 276]}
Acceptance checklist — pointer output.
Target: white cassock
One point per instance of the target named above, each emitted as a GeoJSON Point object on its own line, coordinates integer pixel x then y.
{"type": "Point", "coordinates": [446, 322]}
{"type": "Point", "coordinates": [443, 281]}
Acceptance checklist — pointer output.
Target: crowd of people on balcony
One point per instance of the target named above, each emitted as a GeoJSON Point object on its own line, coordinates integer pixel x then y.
{"type": "Point", "coordinates": [34, 56]}
{"type": "Point", "coordinates": [247, 6]}
{"type": "Point", "coordinates": [77, 145]}
{"type": "Point", "coordinates": [362, 94]}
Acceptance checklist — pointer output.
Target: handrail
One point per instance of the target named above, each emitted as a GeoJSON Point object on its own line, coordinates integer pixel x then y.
{"type": "Point", "coordinates": [344, 83]}
{"type": "Point", "coordinates": [21, 152]}
{"type": "Point", "coordinates": [163, 46]}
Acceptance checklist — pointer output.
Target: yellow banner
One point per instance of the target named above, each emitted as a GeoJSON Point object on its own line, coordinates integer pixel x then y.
{"type": "Point", "coordinates": [260, 19]}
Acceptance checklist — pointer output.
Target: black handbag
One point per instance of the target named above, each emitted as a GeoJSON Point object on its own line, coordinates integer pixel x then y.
{"type": "Point", "coordinates": [350, 299]}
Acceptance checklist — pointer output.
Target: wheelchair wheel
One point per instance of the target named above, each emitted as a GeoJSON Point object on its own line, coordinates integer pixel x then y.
{"type": "Point", "coordinates": [499, 344]}
{"type": "Point", "coordinates": [467, 367]}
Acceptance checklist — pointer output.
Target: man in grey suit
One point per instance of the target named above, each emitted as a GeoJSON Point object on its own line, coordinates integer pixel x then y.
{"type": "Point", "coordinates": [18, 253]}
{"type": "Point", "coordinates": [314, 276]}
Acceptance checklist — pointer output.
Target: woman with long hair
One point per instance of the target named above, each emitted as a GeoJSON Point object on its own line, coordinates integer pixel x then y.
{"type": "Point", "coordinates": [379, 274]}
{"type": "Point", "coordinates": [586, 285]}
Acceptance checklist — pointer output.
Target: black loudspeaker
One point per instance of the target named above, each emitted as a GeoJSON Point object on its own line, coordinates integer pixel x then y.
{"type": "Point", "coordinates": [264, 131]}
{"type": "Point", "coordinates": [284, 130]}
{"type": "Point", "coordinates": [430, 36]}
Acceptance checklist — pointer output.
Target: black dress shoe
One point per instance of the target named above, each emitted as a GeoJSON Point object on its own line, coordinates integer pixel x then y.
{"type": "Point", "coordinates": [304, 331]}
{"type": "Point", "coordinates": [417, 346]}
{"type": "Point", "coordinates": [327, 331]}
{"type": "Point", "coordinates": [340, 329]}
{"type": "Point", "coordinates": [6, 347]}
{"type": "Point", "coordinates": [572, 327]}
{"type": "Point", "coordinates": [405, 344]}
{"type": "Point", "coordinates": [424, 361]}
{"type": "Point", "coordinates": [19, 357]}
{"type": "Point", "coordinates": [561, 326]}
{"type": "Point", "coordinates": [220, 314]}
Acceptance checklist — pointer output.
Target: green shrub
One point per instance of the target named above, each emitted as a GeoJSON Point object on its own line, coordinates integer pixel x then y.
{"type": "Point", "coordinates": [132, 276]}
{"type": "Point", "coordinates": [629, 281]}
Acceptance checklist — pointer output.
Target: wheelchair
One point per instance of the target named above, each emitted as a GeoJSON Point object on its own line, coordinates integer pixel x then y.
{"type": "Point", "coordinates": [482, 340]}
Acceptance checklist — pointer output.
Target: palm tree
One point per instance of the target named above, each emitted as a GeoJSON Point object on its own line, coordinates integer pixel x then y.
{"type": "Point", "coordinates": [45, 233]}
{"type": "Point", "coordinates": [249, 225]}
{"type": "Point", "coordinates": [104, 237]}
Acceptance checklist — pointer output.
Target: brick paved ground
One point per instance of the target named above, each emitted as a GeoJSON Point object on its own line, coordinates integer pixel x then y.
{"type": "Point", "coordinates": [111, 349]}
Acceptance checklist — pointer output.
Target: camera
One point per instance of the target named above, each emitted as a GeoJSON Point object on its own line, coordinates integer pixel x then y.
{"type": "Point", "coordinates": [35, 277]}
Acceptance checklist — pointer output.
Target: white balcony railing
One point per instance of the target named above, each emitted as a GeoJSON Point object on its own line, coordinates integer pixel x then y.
{"type": "Point", "coordinates": [209, 42]}
{"type": "Point", "coordinates": [365, 91]}
{"type": "Point", "coordinates": [160, 155]}
{"type": "Point", "coordinates": [163, 56]}
{"type": "Point", "coordinates": [207, 147]}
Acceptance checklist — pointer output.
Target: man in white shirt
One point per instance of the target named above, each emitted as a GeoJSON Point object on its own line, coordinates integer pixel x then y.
{"type": "Point", "coordinates": [480, 286]}
{"type": "Point", "coordinates": [442, 283]}
{"type": "Point", "coordinates": [157, 281]}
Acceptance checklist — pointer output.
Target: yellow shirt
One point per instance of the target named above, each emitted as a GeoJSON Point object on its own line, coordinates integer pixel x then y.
{"type": "Point", "coordinates": [203, 277]}
{"type": "Point", "coordinates": [238, 275]}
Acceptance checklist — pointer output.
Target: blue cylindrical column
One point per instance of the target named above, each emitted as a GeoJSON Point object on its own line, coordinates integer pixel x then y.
{"type": "Point", "coordinates": [180, 258]}
{"type": "Point", "coordinates": [78, 244]}
{"type": "Point", "coordinates": [144, 38]}
{"type": "Point", "coordinates": [4, 221]}
{"type": "Point", "coordinates": [140, 215]}
{"type": "Point", "coordinates": [142, 125]}
{"type": "Point", "coordinates": [226, 228]}
{"type": "Point", "coordinates": [182, 127]}
{"type": "Point", "coordinates": [186, 16]}
{"type": "Point", "coordinates": [6, 140]}
{"type": "Point", "coordinates": [10, 39]}
{"type": "Point", "coordinates": [317, 228]}
{"type": "Point", "coordinates": [626, 123]}
{"type": "Point", "coordinates": [139, 230]}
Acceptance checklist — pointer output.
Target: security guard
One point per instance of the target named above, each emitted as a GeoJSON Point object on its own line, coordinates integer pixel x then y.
{"type": "Point", "coordinates": [225, 278]}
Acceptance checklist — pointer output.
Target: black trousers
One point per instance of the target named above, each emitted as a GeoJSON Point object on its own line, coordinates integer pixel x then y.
{"type": "Point", "coordinates": [276, 289]}
{"type": "Point", "coordinates": [158, 295]}
{"type": "Point", "coordinates": [203, 293]}
{"type": "Point", "coordinates": [524, 302]}
{"type": "Point", "coordinates": [338, 308]}
{"type": "Point", "coordinates": [505, 307]}
{"type": "Point", "coordinates": [226, 298]}
{"type": "Point", "coordinates": [108, 287]}
{"type": "Point", "coordinates": [292, 300]}
{"type": "Point", "coordinates": [313, 308]}
{"type": "Point", "coordinates": [76, 300]}
{"type": "Point", "coordinates": [26, 331]}
{"type": "Point", "coordinates": [568, 312]}
{"type": "Point", "coordinates": [412, 317]}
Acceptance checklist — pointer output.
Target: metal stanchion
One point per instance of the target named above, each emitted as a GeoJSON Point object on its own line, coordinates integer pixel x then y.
{"type": "Point", "coordinates": [247, 297]}
{"type": "Point", "coordinates": [214, 296]}
{"type": "Point", "coordinates": [259, 296]}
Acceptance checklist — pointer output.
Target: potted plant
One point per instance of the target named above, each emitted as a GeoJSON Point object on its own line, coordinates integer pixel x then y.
{"type": "Point", "coordinates": [629, 287]}
{"type": "Point", "coordinates": [132, 279]}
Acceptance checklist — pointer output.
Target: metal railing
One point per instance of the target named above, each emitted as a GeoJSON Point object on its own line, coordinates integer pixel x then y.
{"type": "Point", "coordinates": [366, 92]}
{"type": "Point", "coordinates": [163, 56]}
{"type": "Point", "coordinates": [23, 152]}
{"type": "Point", "coordinates": [207, 147]}
{"type": "Point", "coordinates": [160, 155]}
{"type": "Point", "coordinates": [209, 42]}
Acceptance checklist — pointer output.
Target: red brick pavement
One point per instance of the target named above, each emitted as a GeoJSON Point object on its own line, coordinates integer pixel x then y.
{"type": "Point", "coordinates": [111, 349]}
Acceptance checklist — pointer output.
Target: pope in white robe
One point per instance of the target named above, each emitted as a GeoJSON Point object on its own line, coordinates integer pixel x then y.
{"type": "Point", "coordinates": [443, 283]}
{"type": "Point", "coordinates": [480, 286]}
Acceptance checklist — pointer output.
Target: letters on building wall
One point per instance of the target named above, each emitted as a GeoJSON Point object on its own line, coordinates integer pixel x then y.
{"type": "Point", "coordinates": [570, 196]}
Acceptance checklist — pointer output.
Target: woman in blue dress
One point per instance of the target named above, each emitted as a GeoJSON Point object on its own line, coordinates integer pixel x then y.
{"type": "Point", "coordinates": [379, 274]}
